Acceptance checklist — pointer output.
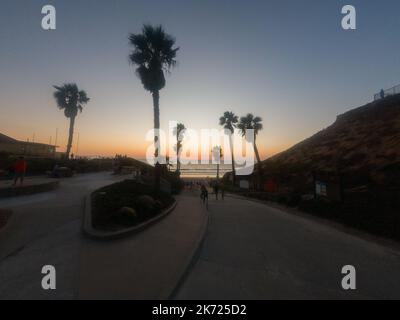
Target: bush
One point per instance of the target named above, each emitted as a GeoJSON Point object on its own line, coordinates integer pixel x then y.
{"type": "Point", "coordinates": [110, 204]}
{"type": "Point", "coordinates": [39, 166]}
{"type": "Point", "coordinates": [371, 215]}
{"type": "Point", "coordinates": [126, 216]}
{"type": "Point", "coordinates": [146, 205]}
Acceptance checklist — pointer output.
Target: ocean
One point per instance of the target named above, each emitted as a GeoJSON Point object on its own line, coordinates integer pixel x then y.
{"type": "Point", "coordinates": [203, 170]}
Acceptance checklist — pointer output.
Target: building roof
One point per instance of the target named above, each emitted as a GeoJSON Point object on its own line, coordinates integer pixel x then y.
{"type": "Point", "coordinates": [7, 139]}
{"type": "Point", "coordinates": [4, 138]}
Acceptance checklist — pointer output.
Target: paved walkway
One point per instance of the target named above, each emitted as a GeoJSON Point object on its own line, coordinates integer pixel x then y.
{"type": "Point", "coordinates": [253, 251]}
{"type": "Point", "coordinates": [145, 266]}
{"type": "Point", "coordinates": [46, 230]}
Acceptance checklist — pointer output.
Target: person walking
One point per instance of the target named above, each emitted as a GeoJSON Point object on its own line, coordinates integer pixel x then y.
{"type": "Point", "coordinates": [216, 190]}
{"type": "Point", "coordinates": [204, 194]}
{"type": "Point", "coordinates": [20, 170]}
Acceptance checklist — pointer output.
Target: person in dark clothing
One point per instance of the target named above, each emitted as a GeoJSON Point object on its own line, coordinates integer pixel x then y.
{"type": "Point", "coordinates": [204, 194]}
{"type": "Point", "coordinates": [216, 190]}
{"type": "Point", "coordinates": [20, 170]}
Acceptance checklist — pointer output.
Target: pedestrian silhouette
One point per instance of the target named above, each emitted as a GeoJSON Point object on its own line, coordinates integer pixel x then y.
{"type": "Point", "coordinates": [204, 194]}
{"type": "Point", "coordinates": [20, 170]}
{"type": "Point", "coordinates": [216, 190]}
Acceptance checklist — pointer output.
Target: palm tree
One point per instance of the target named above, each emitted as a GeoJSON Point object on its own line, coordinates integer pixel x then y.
{"type": "Point", "coordinates": [250, 122]}
{"type": "Point", "coordinates": [153, 54]}
{"type": "Point", "coordinates": [168, 163]}
{"type": "Point", "coordinates": [217, 155]}
{"type": "Point", "coordinates": [229, 121]}
{"type": "Point", "coordinates": [178, 132]}
{"type": "Point", "coordinates": [70, 99]}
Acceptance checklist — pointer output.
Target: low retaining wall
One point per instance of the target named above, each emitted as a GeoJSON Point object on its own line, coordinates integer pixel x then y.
{"type": "Point", "coordinates": [28, 189]}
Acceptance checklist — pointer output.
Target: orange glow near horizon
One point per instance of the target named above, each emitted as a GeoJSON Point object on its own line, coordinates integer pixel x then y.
{"type": "Point", "coordinates": [110, 146]}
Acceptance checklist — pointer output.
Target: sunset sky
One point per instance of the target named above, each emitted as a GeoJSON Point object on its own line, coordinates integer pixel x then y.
{"type": "Point", "coordinates": [289, 62]}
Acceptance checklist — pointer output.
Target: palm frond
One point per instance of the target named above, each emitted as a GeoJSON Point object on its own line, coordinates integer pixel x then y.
{"type": "Point", "coordinates": [153, 53]}
{"type": "Point", "coordinates": [70, 99]}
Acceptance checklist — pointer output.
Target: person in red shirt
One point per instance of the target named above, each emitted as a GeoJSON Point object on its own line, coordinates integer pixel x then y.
{"type": "Point", "coordinates": [20, 170]}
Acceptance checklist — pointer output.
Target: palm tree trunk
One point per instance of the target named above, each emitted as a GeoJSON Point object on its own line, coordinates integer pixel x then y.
{"type": "Point", "coordinates": [233, 159]}
{"type": "Point", "coordinates": [178, 165]}
{"type": "Point", "coordinates": [156, 106]}
{"type": "Point", "coordinates": [258, 163]}
{"type": "Point", "coordinates": [71, 136]}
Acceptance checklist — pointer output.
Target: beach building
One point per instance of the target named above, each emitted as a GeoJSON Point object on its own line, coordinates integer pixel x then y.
{"type": "Point", "coordinates": [25, 148]}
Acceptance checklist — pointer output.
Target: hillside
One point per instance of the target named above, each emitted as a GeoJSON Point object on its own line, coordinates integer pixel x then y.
{"type": "Point", "coordinates": [362, 144]}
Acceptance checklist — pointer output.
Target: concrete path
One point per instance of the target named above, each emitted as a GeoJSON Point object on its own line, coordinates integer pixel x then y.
{"type": "Point", "coordinates": [45, 229]}
{"type": "Point", "coordinates": [253, 251]}
{"type": "Point", "coordinates": [147, 265]}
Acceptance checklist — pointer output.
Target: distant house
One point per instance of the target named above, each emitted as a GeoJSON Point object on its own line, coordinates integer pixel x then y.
{"type": "Point", "coordinates": [26, 148]}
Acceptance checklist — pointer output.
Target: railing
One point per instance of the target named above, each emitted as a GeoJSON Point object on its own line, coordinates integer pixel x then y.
{"type": "Point", "coordinates": [388, 92]}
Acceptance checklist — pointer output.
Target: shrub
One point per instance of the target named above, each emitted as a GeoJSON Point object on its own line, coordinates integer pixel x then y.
{"type": "Point", "coordinates": [145, 204]}
{"type": "Point", "coordinates": [110, 204]}
{"type": "Point", "coordinates": [126, 216]}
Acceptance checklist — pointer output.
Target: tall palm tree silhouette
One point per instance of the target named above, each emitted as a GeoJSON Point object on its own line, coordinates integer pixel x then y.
{"type": "Point", "coordinates": [253, 123]}
{"type": "Point", "coordinates": [229, 121]}
{"type": "Point", "coordinates": [178, 132]}
{"type": "Point", "coordinates": [153, 53]}
{"type": "Point", "coordinates": [217, 156]}
{"type": "Point", "coordinates": [70, 99]}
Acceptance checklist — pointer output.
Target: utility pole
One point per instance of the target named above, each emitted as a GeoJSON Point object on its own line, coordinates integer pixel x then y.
{"type": "Point", "coordinates": [55, 142]}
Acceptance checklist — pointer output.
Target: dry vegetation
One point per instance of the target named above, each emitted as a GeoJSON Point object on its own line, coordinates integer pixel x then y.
{"type": "Point", "coordinates": [363, 144]}
{"type": "Point", "coordinates": [362, 148]}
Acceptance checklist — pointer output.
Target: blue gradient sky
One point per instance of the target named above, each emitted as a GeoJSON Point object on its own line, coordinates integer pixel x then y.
{"type": "Point", "coordinates": [286, 61]}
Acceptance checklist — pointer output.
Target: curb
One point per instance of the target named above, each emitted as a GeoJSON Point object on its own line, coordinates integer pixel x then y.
{"type": "Point", "coordinates": [28, 190]}
{"type": "Point", "coordinates": [92, 233]}
{"type": "Point", "coordinates": [170, 293]}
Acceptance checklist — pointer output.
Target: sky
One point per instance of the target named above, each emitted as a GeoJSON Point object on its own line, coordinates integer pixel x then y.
{"type": "Point", "coordinates": [289, 62]}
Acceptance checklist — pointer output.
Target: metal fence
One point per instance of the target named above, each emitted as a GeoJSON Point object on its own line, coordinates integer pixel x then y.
{"type": "Point", "coordinates": [388, 92]}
